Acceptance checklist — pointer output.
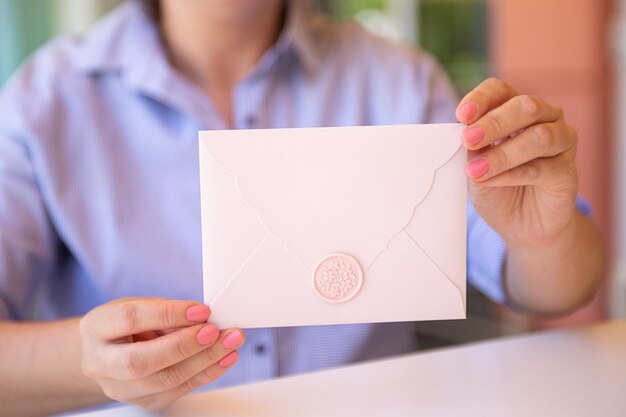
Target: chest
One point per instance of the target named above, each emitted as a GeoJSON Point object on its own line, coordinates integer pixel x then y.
{"type": "Point", "coordinates": [122, 180]}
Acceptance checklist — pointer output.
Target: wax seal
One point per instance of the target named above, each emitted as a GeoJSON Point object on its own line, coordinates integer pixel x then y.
{"type": "Point", "coordinates": [338, 277]}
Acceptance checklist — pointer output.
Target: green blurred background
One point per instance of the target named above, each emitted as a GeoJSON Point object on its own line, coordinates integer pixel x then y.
{"type": "Point", "coordinates": [452, 30]}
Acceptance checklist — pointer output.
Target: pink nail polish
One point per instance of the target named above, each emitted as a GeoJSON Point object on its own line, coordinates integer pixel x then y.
{"type": "Point", "coordinates": [229, 359]}
{"type": "Point", "coordinates": [473, 135]}
{"type": "Point", "coordinates": [232, 340]}
{"type": "Point", "coordinates": [198, 313]}
{"type": "Point", "coordinates": [478, 167]}
{"type": "Point", "coordinates": [467, 112]}
{"type": "Point", "coordinates": [207, 335]}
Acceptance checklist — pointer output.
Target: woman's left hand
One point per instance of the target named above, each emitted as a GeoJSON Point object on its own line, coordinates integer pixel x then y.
{"type": "Point", "coordinates": [521, 166]}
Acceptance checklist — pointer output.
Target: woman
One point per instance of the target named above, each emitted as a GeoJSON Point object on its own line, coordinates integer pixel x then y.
{"type": "Point", "coordinates": [99, 195]}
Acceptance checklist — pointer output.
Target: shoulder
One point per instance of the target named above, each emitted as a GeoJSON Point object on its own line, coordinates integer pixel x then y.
{"type": "Point", "coordinates": [400, 77]}
{"type": "Point", "coordinates": [353, 44]}
{"type": "Point", "coordinates": [33, 91]}
{"type": "Point", "coordinates": [52, 77]}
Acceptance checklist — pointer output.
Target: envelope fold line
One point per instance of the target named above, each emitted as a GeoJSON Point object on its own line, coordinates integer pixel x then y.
{"type": "Point", "coordinates": [432, 184]}
{"type": "Point", "coordinates": [258, 215]}
{"type": "Point", "coordinates": [437, 266]}
{"type": "Point", "coordinates": [243, 264]}
{"type": "Point", "coordinates": [269, 232]}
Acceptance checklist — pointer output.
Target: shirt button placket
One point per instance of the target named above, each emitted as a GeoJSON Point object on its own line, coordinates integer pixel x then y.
{"type": "Point", "coordinates": [262, 351]}
{"type": "Point", "coordinates": [250, 121]}
{"type": "Point", "coordinates": [247, 99]}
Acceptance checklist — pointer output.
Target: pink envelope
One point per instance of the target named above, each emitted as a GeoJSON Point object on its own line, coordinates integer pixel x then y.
{"type": "Point", "coordinates": [333, 225]}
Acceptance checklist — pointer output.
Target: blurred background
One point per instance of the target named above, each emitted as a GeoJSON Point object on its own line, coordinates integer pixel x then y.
{"type": "Point", "coordinates": [571, 52]}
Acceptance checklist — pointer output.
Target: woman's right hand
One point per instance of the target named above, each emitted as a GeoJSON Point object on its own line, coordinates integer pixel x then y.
{"type": "Point", "coordinates": [150, 352]}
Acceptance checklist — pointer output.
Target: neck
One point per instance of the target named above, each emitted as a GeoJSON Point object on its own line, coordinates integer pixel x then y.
{"type": "Point", "coordinates": [216, 43]}
{"type": "Point", "coordinates": [213, 45]}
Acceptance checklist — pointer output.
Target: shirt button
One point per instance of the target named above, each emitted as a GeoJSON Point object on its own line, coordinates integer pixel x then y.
{"type": "Point", "coordinates": [259, 349]}
{"type": "Point", "coordinates": [250, 120]}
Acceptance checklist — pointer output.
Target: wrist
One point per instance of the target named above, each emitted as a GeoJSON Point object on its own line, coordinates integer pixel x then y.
{"type": "Point", "coordinates": [560, 238]}
{"type": "Point", "coordinates": [558, 277]}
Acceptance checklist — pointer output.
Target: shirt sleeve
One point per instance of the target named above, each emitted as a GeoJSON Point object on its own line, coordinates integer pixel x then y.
{"type": "Point", "coordinates": [485, 256]}
{"type": "Point", "coordinates": [27, 237]}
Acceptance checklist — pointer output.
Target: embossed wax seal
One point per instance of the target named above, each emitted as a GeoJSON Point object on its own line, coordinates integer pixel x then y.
{"type": "Point", "coordinates": [337, 277]}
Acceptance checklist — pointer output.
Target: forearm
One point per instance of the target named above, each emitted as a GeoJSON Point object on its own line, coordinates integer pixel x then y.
{"type": "Point", "coordinates": [40, 369]}
{"type": "Point", "coordinates": [558, 277]}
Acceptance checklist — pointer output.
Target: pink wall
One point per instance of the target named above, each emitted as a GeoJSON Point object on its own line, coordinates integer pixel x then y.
{"type": "Point", "coordinates": [556, 49]}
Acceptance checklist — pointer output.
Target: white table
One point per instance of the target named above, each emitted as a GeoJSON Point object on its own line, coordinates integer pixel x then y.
{"type": "Point", "coordinates": [559, 373]}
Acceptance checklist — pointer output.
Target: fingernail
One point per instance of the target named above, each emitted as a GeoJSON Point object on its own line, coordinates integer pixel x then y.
{"type": "Point", "coordinates": [478, 168]}
{"type": "Point", "coordinates": [207, 335]}
{"type": "Point", "coordinates": [473, 135]}
{"type": "Point", "coordinates": [232, 339]}
{"type": "Point", "coordinates": [229, 359]}
{"type": "Point", "coordinates": [467, 112]}
{"type": "Point", "coordinates": [198, 312]}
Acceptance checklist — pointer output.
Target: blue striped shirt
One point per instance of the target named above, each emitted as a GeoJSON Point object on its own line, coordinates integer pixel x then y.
{"type": "Point", "coordinates": [99, 187]}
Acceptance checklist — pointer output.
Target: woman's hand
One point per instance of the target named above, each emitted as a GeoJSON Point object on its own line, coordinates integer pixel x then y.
{"type": "Point", "coordinates": [149, 352]}
{"type": "Point", "coordinates": [523, 176]}
{"type": "Point", "coordinates": [521, 163]}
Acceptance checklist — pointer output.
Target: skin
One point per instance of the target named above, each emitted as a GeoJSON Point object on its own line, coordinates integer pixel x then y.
{"type": "Point", "coordinates": [227, 38]}
{"type": "Point", "coordinates": [149, 352]}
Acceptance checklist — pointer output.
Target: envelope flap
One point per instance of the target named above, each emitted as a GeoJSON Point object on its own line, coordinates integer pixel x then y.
{"type": "Point", "coordinates": [325, 190]}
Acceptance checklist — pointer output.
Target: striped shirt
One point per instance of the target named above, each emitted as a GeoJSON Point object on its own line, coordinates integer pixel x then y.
{"type": "Point", "coordinates": [99, 186]}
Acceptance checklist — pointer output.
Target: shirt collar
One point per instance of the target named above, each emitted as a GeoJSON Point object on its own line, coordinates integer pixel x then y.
{"type": "Point", "coordinates": [112, 44]}
{"type": "Point", "coordinates": [127, 42]}
{"type": "Point", "coordinates": [306, 33]}
{"type": "Point", "coordinates": [128, 39]}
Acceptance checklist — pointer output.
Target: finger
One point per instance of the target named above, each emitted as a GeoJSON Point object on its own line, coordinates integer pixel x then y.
{"type": "Point", "coordinates": [175, 375]}
{"type": "Point", "coordinates": [539, 141]}
{"type": "Point", "coordinates": [516, 114]}
{"type": "Point", "coordinates": [133, 361]}
{"type": "Point", "coordinates": [488, 95]}
{"type": "Point", "coordinates": [538, 172]}
{"type": "Point", "coordinates": [120, 319]}
{"type": "Point", "coordinates": [166, 360]}
{"type": "Point", "coordinates": [159, 401]}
